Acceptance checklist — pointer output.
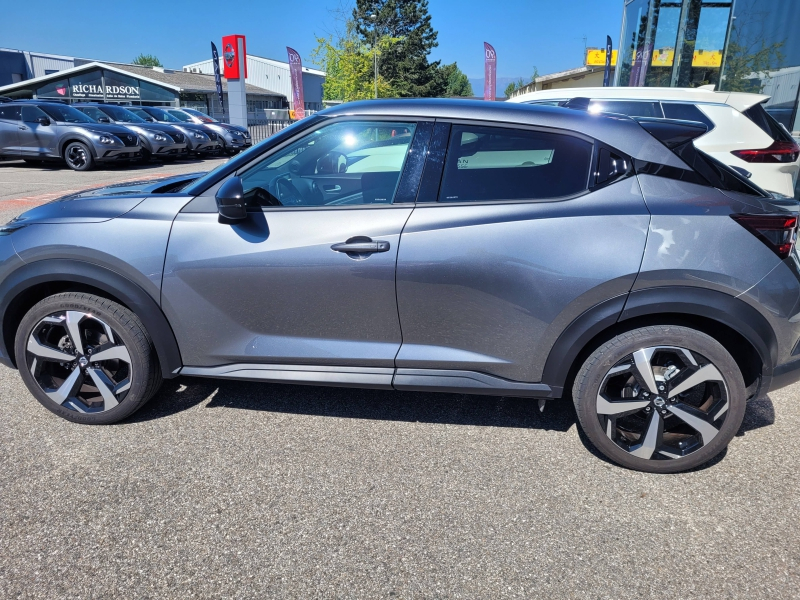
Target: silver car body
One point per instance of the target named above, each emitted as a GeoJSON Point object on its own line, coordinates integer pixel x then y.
{"type": "Point", "coordinates": [233, 137]}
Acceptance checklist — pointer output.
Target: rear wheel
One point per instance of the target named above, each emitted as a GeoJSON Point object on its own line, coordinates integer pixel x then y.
{"type": "Point", "coordinates": [661, 399]}
{"type": "Point", "coordinates": [78, 157]}
{"type": "Point", "coordinates": [86, 358]}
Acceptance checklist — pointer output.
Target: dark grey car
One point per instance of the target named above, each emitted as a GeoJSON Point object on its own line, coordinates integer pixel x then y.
{"type": "Point", "coordinates": [451, 246]}
{"type": "Point", "coordinates": [158, 140]}
{"type": "Point", "coordinates": [36, 130]}
{"type": "Point", "coordinates": [234, 138]}
{"type": "Point", "coordinates": [199, 139]}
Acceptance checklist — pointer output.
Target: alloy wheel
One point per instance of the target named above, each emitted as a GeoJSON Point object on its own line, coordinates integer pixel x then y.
{"type": "Point", "coordinates": [662, 403]}
{"type": "Point", "coordinates": [76, 156]}
{"type": "Point", "coordinates": [79, 362]}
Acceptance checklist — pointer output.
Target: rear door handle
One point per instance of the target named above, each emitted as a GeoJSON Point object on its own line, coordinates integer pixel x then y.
{"type": "Point", "coordinates": [332, 188]}
{"type": "Point", "coordinates": [361, 245]}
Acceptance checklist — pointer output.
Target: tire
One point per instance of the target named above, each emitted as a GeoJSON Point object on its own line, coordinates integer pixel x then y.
{"type": "Point", "coordinates": [85, 390]}
{"type": "Point", "coordinates": [146, 156]}
{"type": "Point", "coordinates": [78, 156]}
{"type": "Point", "coordinates": [671, 420]}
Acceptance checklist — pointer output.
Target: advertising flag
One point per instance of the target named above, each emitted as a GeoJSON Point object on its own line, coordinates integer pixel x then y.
{"type": "Point", "coordinates": [607, 73]}
{"type": "Point", "coordinates": [217, 80]}
{"type": "Point", "coordinates": [296, 72]}
{"type": "Point", "coordinates": [489, 72]}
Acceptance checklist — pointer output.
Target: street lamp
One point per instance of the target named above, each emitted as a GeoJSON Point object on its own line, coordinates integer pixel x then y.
{"type": "Point", "coordinates": [374, 19]}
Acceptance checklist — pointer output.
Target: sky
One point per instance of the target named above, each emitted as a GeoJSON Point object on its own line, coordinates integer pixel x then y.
{"type": "Point", "coordinates": [545, 33]}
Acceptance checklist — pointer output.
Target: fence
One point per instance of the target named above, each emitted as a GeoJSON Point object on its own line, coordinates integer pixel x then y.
{"type": "Point", "coordinates": [262, 130]}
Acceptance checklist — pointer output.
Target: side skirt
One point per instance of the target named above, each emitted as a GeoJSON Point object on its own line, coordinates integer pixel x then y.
{"type": "Point", "coordinates": [383, 378]}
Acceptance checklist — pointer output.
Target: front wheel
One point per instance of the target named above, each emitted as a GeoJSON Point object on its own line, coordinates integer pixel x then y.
{"type": "Point", "coordinates": [78, 157]}
{"type": "Point", "coordinates": [661, 399]}
{"type": "Point", "coordinates": [86, 358]}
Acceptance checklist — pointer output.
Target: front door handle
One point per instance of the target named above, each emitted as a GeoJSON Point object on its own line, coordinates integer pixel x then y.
{"type": "Point", "coordinates": [22, 127]}
{"type": "Point", "coordinates": [361, 245]}
{"type": "Point", "coordinates": [332, 188]}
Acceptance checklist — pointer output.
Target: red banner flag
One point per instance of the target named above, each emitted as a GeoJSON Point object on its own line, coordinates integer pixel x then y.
{"type": "Point", "coordinates": [489, 72]}
{"type": "Point", "coordinates": [296, 72]}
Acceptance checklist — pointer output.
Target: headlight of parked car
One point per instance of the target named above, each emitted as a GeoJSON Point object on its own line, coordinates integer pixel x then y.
{"type": "Point", "coordinates": [104, 139]}
{"type": "Point", "coordinates": [199, 136]}
{"type": "Point", "coordinates": [159, 138]}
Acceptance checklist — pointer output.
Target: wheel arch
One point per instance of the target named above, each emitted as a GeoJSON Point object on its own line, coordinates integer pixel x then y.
{"type": "Point", "coordinates": [74, 137]}
{"type": "Point", "coordinates": [34, 281]}
{"type": "Point", "coordinates": [739, 327]}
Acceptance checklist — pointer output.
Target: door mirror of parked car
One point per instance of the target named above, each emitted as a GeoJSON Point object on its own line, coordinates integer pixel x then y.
{"type": "Point", "coordinates": [104, 120]}
{"type": "Point", "coordinates": [231, 203]}
{"type": "Point", "coordinates": [43, 121]}
{"type": "Point", "coordinates": [741, 171]}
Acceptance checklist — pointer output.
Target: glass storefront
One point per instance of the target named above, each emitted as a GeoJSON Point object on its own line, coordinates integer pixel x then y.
{"type": "Point", "coordinates": [105, 85]}
{"type": "Point", "coordinates": [741, 45]}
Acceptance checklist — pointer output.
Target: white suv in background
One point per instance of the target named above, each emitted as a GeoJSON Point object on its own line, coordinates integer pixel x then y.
{"type": "Point", "coordinates": [741, 133]}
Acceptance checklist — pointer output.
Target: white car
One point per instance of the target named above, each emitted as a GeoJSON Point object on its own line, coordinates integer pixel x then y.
{"type": "Point", "coordinates": [741, 133]}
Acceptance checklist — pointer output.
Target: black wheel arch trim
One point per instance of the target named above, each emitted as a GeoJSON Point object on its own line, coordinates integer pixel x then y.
{"type": "Point", "coordinates": [76, 137]}
{"type": "Point", "coordinates": [682, 300]}
{"type": "Point", "coordinates": [59, 271]}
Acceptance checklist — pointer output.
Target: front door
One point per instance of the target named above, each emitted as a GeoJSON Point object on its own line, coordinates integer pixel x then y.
{"type": "Point", "coordinates": [309, 277]}
{"type": "Point", "coordinates": [36, 139]}
{"type": "Point", "coordinates": [10, 123]}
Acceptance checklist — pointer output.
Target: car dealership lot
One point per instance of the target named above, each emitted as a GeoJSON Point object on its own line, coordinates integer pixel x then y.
{"type": "Point", "coordinates": [229, 489]}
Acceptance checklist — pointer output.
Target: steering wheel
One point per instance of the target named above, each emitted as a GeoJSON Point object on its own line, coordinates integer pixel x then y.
{"type": "Point", "coordinates": [288, 194]}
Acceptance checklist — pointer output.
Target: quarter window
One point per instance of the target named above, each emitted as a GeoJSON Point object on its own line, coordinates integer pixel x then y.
{"type": "Point", "coordinates": [341, 164]}
{"type": "Point", "coordinates": [686, 112]}
{"type": "Point", "coordinates": [631, 108]}
{"type": "Point", "coordinates": [488, 163]}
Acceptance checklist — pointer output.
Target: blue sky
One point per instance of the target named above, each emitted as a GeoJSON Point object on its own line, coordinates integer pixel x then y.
{"type": "Point", "coordinates": [545, 33]}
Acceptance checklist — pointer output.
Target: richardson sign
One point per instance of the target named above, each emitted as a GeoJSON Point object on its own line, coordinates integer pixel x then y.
{"type": "Point", "coordinates": [113, 92]}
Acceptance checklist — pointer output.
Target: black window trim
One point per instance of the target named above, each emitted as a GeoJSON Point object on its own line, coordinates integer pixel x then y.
{"type": "Point", "coordinates": [512, 126]}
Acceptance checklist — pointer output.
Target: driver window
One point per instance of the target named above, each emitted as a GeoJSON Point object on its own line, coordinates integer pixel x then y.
{"type": "Point", "coordinates": [341, 164]}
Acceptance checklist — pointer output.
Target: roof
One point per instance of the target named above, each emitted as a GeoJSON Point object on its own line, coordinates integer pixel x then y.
{"type": "Point", "coordinates": [270, 61]}
{"type": "Point", "coordinates": [738, 100]}
{"type": "Point", "coordinates": [178, 81]}
{"type": "Point", "coordinates": [617, 131]}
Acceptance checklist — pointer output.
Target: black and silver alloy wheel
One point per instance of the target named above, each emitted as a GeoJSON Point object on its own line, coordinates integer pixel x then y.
{"type": "Point", "coordinates": [79, 362]}
{"type": "Point", "coordinates": [78, 157]}
{"type": "Point", "coordinates": [661, 399]}
{"type": "Point", "coordinates": [87, 359]}
{"type": "Point", "coordinates": [662, 403]}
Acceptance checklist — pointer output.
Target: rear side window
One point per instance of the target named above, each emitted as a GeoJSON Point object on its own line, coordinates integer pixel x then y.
{"type": "Point", "coordinates": [758, 115]}
{"type": "Point", "coordinates": [631, 108]}
{"type": "Point", "coordinates": [492, 163]}
{"type": "Point", "coordinates": [686, 112]}
{"type": "Point", "coordinates": [10, 113]}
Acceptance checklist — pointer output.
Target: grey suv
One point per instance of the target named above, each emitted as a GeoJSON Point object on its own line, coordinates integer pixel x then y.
{"type": "Point", "coordinates": [199, 139]}
{"type": "Point", "coordinates": [452, 246]}
{"type": "Point", "coordinates": [36, 130]}
{"type": "Point", "coordinates": [158, 140]}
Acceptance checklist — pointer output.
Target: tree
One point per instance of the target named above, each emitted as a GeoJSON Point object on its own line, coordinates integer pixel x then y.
{"type": "Point", "coordinates": [348, 64]}
{"type": "Point", "coordinates": [147, 60]}
{"type": "Point", "coordinates": [406, 64]}
{"type": "Point", "coordinates": [455, 81]}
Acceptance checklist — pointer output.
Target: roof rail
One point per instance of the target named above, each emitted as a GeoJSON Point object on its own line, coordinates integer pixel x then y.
{"type": "Point", "coordinates": [4, 99]}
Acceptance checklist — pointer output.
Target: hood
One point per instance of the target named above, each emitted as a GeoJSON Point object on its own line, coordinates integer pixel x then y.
{"type": "Point", "coordinates": [151, 126]}
{"type": "Point", "coordinates": [103, 203]}
{"type": "Point", "coordinates": [187, 127]}
{"type": "Point", "coordinates": [99, 127]}
{"type": "Point", "coordinates": [230, 127]}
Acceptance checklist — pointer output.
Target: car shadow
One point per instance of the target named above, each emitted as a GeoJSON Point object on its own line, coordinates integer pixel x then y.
{"type": "Point", "coordinates": [183, 393]}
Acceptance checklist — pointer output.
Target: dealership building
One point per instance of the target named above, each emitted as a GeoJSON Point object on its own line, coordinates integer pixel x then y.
{"type": "Point", "coordinates": [26, 75]}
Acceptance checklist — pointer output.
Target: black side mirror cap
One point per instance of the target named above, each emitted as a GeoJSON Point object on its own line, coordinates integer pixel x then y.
{"type": "Point", "coordinates": [104, 120]}
{"type": "Point", "coordinates": [741, 171]}
{"type": "Point", "coordinates": [231, 204]}
{"type": "Point", "coordinates": [43, 121]}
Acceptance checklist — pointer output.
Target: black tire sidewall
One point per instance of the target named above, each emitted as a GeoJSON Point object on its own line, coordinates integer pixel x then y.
{"type": "Point", "coordinates": [591, 375]}
{"type": "Point", "coordinates": [89, 157]}
{"type": "Point", "coordinates": [140, 364]}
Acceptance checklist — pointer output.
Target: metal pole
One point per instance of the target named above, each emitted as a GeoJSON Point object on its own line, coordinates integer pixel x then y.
{"type": "Point", "coordinates": [375, 51]}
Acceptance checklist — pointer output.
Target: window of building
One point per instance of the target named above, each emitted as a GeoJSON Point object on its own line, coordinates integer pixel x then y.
{"type": "Point", "coordinates": [488, 163]}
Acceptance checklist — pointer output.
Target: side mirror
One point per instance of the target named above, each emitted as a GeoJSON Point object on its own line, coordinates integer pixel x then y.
{"type": "Point", "coordinates": [43, 121]}
{"type": "Point", "coordinates": [230, 201]}
{"type": "Point", "coordinates": [104, 120]}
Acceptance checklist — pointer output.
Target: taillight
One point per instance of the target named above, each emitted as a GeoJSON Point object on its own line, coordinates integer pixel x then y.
{"type": "Point", "coordinates": [779, 152]}
{"type": "Point", "coordinates": [778, 232]}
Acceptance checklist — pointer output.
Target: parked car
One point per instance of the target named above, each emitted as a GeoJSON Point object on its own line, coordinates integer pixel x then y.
{"type": "Point", "coordinates": [157, 139]}
{"type": "Point", "coordinates": [756, 144]}
{"type": "Point", "coordinates": [37, 131]}
{"type": "Point", "coordinates": [199, 140]}
{"type": "Point", "coordinates": [233, 138]}
{"type": "Point", "coordinates": [487, 248]}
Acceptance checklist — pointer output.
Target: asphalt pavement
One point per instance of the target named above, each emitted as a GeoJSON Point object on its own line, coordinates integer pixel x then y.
{"type": "Point", "coordinates": [248, 490]}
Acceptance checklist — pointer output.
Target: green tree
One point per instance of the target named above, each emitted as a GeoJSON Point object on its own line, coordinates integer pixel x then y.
{"type": "Point", "coordinates": [147, 60]}
{"type": "Point", "coordinates": [455, 81]}
{"type": "Point", "coordinates": [406, 63]}
{"type": "Point", "coordinates": [348, 64]}
{"type": "Point", "coordinates": [747, 67]}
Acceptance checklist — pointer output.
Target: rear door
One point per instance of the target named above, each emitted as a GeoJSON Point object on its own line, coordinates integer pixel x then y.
{"type": "Point", "coordinates": [36, 139]}
{"type": "Point", "coordinates": [512, 238]}
{"type": "Point", "coordinates": [10, 123]}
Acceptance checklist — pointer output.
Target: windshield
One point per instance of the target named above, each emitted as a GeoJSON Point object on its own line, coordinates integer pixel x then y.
{"type": "Point", "coordinates": [161, 115]}
{"type": "Point", "coordinates": [141, 113]}
{"type": "Point", "coordinates": [94, 112]}
{"type": "Point", "coordinates": [65, 114]}
{"type": "Point", "coordinates": [202, 116]}
{"type": "Point", "coordinates": [181, 116]}
{"type": "Point", "coordinates": [122, 114]}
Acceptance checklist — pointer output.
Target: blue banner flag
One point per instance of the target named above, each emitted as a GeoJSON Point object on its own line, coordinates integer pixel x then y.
{"type": "Point", "coordinates": [607, 74]}
{"type": "Point", "coordinates": [217, 80]}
